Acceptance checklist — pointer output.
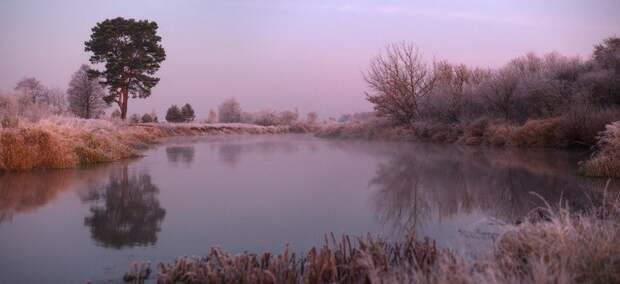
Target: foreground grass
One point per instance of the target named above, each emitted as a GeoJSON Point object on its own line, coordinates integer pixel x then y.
{"type": "Point", "coordinates": [61, 142]}
{"type": "Point", "coordinates": [550, 246]}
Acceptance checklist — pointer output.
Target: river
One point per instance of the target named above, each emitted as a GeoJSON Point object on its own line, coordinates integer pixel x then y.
{"type": "Point", "coordinates": [259, 193]}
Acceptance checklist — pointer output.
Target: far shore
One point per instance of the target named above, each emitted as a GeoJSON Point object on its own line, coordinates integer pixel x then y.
{"type": "Point", "coordinates": [62, 142]}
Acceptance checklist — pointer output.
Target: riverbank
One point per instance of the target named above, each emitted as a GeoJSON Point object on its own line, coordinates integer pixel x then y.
{"type": "Point", "coordinates": [596, 131]}
{"type": "Point", "coordinates": [549, 246]}
{"type": "Point", "coordinates": [61, 142]}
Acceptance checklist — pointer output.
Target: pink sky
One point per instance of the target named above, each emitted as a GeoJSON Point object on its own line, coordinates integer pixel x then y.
{"type": "Point", "coordinates": [287, 54]}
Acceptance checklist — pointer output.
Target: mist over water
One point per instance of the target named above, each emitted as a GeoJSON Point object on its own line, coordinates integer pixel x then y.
{"type": "Point", "coordinates": [258, 193]}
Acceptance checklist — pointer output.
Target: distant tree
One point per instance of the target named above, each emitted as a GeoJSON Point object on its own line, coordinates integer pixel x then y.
{"type": "Point", "coordinates": [399, 81]}
{"type": "Point", "coordinates": [500, 92]}
{"type": "Point", "coordinates": [247, 117]}
{"type": "Point", "coordinates": [287, 117]}
{"type": "Point", "coordinates": [312, 118]}
{"type": "Point", "coordinates": [154, 116]}
{"type": "Point", "coordinates": [56, 100]}
{"type": "Point", "coordinates": [116, 114]}
{"type": "Point", "coordinates": [607, 54]}
{"type": "Point", "coordinates": [174, 114]}
{"type": "Point", "coordinates": [212, 117]}
{"type": "Point", "coordinates": [230, 111]}
{"type": "Point", "coordinates": [345, 118]}
{"type": "Point", "coordinates": [134, 118]}
{"type": "Point", "coordinates": [132, 53]}
{"type": "Point", "coordinates": [146, 118]}
{"type": "Point", "coordinates": [85, 95]}
{"type": "Point", "coordinates": [607, 57]}
{"type": "Point", "coordinates": [31, 89]}
{"type": "Point", "coordinates": [265, 117]}
{"type": "Point", "coordinates": [450, 89]}
{"type": "Point", "coordinates": [188, 113]}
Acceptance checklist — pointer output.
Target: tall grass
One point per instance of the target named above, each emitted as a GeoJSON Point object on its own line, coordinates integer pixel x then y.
{"type": "Point", "coordinates": [551, 246]}
{"type": "Point", "coordinates": [606, 161]}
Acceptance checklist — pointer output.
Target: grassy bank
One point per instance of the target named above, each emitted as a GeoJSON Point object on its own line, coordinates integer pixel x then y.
{"type": "Point", "coordinates": [550, 246]}
{"type": "Point", "coordinates": [570, 130]}
{"type": "Point", "coordinates": [61, 142]}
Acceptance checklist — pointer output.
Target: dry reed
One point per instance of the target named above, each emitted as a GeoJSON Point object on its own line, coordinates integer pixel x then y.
{"type": "Point", "coordinates": [551, 246]}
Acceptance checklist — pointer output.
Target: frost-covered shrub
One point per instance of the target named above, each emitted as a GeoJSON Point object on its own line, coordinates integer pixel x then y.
{"type": "Point", "coordinates": [265, 118]}
{"type": "Point", "coordinates": [230, 111]}
{"type": "Point", "coordinates": [8, 111]}
{"type": "Point", "coordinates": [606, 161]}
{"type": "Point", "coordinates": [287, 117]}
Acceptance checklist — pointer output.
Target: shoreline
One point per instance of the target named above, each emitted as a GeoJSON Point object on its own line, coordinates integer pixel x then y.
{"type": "Point", "coordinates": [60, 142]}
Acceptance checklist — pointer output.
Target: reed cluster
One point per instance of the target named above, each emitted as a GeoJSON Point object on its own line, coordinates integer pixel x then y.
{"type": "Point", "coordinates": [548, 246]}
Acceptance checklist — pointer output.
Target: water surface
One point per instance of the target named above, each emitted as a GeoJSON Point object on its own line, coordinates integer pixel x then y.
{"type": "Point", "coordinates": [258, 193]}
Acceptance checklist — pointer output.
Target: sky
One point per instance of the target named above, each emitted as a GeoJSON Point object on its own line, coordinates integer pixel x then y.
{"type": "Point", "coordinates": [281, 55]}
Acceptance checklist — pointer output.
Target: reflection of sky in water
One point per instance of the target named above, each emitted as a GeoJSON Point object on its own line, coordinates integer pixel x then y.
{"type": "Point", "coordinates": [259, 193]}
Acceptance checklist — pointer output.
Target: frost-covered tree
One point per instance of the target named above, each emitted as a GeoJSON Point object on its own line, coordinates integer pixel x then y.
{"type": "Point", "coordinates": [85, 95]}
{"type": "Point", "coordinates": [399, 81]}
{"type": "Point", "coordinates": [287, 117]}
{"type": "Point", "coordinates": [31, 89]}
{"type": "Point", "coordinates": [312, 118]}
{"type": "Point", "coordinates": [607, 54]}
{"type": "Point", "coordinates": [230, 111]}
{"type": "Point", "coordinates": [266, 118]}
{"type": "Point", "coordinates": [56, 101]}
{"type": "Point", "coordinates": [188, 113]}
{"type": "Point", "coordinates": [131, 52]}
{"type": "Point", "coordinates": [212, 116]}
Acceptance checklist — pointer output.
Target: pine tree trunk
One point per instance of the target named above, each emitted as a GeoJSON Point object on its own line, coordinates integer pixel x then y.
{"type": "Point", "coordinates": [123, 105]}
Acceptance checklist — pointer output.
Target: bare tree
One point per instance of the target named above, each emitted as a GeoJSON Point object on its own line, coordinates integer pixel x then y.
{"type": "Point", "coordinates": [399, 80]}
{"type": "Point", "coordinates": [500, 91]}
{"type": "Point", "coordinates": [56, 100]}
{"type": "Point", "coordinates": [212, 116]}
{"type": "Point", "coordinates": [450, 90]}
{"type": "Point", "coordinates": [312, 118]}
{"type": "Point", "coordinates": [230, 111]}
{"type": "Point", "coordinates": [32, 89]}
{"type": "Point", "coordinates": [266, 117]}
{"type": "Point", "coordinates": [287, 117]}
{"type": "Point", "coordinates": [85, 95]}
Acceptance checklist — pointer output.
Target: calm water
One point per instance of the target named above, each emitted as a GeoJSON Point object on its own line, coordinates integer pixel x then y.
{"type": "Point", "coordinates": [259, 193]}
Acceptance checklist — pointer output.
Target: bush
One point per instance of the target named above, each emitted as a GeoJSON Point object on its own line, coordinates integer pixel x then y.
{"type": "Point", "coordinates": [582, 123]}
{"type": "Point", "coordinates": [606, 161]}
{"type": "Point", "coordinates": [537, 133]}
{"type": "Point", "coordinates": [147, 118]}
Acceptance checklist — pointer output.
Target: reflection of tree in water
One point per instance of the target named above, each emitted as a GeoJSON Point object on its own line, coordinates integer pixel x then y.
{"type": "Point", "coordinates": [183, 154]}
{"type": "Point", "coordinates": [126, 211]}
{"type": "Point", "coordinates": [416, 185]}
{"type": "Point", "coordinates": [230, 154]}
{"type": "Point", "coordinates": [399, 197]}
